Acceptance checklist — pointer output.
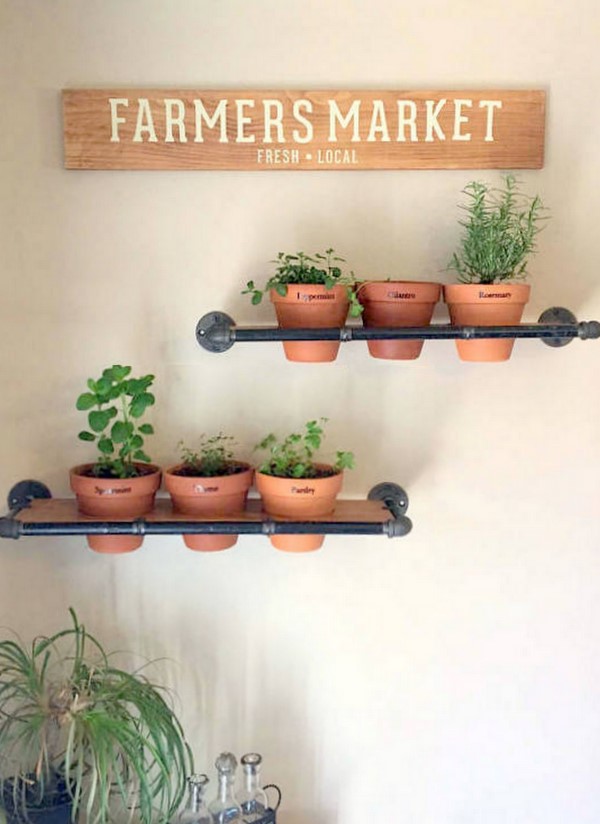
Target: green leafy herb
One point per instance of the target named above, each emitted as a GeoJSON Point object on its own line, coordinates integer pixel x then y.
{"type": "Point", "coordinates": [292, 457]}
{"type": "Point", "coordinates": [115, 403]}
{"type": "Point", "coordinates": [499, 232]}
{"type": "Point", "coordinates": [69, 718]}
{"type": "Point", "coordinates": [318, 269]}
{"type": "Point", "coordinates": [213, 457]}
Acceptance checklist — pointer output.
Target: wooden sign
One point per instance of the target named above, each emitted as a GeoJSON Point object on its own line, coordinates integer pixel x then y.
{"type": "Point", "coordinates": [296, 130]}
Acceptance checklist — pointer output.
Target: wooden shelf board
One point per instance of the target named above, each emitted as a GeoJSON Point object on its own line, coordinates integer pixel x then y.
{"type": "Point", "coordinates": [64, 510]}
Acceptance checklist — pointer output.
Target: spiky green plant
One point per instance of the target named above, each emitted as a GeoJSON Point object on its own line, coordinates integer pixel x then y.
{"type": "Point", "coordinates": [69, 718]}
{"type": "Point", "coordinates": [499, 232]}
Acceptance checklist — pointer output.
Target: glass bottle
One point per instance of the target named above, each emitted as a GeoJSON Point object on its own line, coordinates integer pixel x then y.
{"type": "Point", "coordinates": [196, 811]}
{"type": "Point", "coordinates": [252, 798]}
{"type": "Point", "coordinates": [225, 808]}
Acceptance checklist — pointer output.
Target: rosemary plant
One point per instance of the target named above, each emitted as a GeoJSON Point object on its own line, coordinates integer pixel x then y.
{"type": "Point", "coordinates": [70, 719]}
{"type": "Point", "coordinates": [499, 232]}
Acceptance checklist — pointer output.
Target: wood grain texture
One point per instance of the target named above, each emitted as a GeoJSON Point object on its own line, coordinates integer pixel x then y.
{"type": "Point", "coordinates": [178, 129]}
{"type": "Point", "coordinates": [64, 510]}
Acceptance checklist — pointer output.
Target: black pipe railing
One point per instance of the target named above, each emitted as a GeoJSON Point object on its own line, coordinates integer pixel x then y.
{"type": "Point", "coordinates": [390, 495]}
{"type": "Point", "coordinates": [217, 332]}
{"type": "Point", "coordinates": [10, 527]}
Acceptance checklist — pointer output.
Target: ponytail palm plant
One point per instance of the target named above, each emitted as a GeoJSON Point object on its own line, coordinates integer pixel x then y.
{"type": "Point", "coordinates": [75, 727]}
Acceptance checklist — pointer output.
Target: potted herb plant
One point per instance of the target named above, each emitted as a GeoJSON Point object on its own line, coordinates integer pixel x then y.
{"type": "Point", "coordinates": [80, 737]}
{"type": "Point", "coordinates": [393, 304]}
{"type": "Point", "coordinates": [293, 485]}
{"type": "Point", "coordinates": [122, 483]}
{"type": "Point", "coordinates": [209, 482]}
{"type": "Point", "coordinates": [499, 235]}
{"type": "Point", "coordinates": [309, 292]}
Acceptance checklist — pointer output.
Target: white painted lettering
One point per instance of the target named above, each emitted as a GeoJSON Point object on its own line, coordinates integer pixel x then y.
{"type": "Point", "coordinates": [114, 117]}
{"type": "Point", "coordinates": [335, 116]}
{"type": "Point", "coordinates": [243, 120]}
{"type": "Point", "coordinates": [460, 118]}
{"type": "Point", "coordinates": [432, 111]}
{"type": "Point", "coordinates": [378, 123]}
{"type": "Point", "coordinates": [172, 105]}
{"type": "Point", "coordinates": [273, 120]}
{"type": "Point", "coordinates": [307, 106]}
{"type": "Point", "coordinates": [144, 123]}
{"type": "Point", "coordinates": [405, 120]}
{"type": "Point", "coordinates": [218, 116]}
{"type": "Point", "coordinates": [489, 106]}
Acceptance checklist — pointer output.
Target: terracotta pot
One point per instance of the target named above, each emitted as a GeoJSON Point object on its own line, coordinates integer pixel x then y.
{"type": "Point", "coordinates": [476, 304]}
{"type": "Point", "coordinates": [314, 307]}
{"type": "Point", "coordinates": [209, 497]}
{"type": "Point", "coordinates": [397, 303]}
{"type": "Point", "coordinates": [299, 499]}
{"type": "Point", "coordinates": [115, 499]}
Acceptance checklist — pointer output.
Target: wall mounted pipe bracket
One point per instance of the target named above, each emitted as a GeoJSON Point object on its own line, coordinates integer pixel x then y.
{"type": "Point", "coordinates": [34, 513]}
{"type": "Point", "coordinates": [217, 331]}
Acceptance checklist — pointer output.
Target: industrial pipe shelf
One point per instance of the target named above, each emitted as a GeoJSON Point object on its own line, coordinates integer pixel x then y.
{"type": "Point", "coordinates": [217, 331]}
{"type": "Point", "coordinates": [34, 513]}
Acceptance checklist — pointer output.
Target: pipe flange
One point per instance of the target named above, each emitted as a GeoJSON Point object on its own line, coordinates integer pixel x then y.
{"type": "Point", "coordinates": [23, 493]}
{"type": "Point", "coordinates": [213, 332]}
{"type": "Point", "coordinates": [557, 316]}
{"type": "Point", "coordinates": [392, 496]}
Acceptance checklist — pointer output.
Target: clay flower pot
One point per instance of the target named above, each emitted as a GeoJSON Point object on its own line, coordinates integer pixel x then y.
{"type": "Point", "coordinates": [397, 303]}
{"type": "Point", "coordinates": [477, 304]}
{"type": "Point", "coordinates": [115, 499]}
{"type": "Point", "coordinates": [209, 497]}
{"type": "Point", "coordinates": [299, 499]}
{"type": "Point", "coordinates": [315, 307]}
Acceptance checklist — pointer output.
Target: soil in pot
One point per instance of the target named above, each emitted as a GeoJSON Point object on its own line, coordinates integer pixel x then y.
{"type": "Point", "coordinates": [299, 499]}
{"type": "Point", "coordinates": [209, 497]}
{"type": "Point", "coordinates": [115, 499]}
{"type": "Point", "coordinates": [397, 303]}
{"type": "Point", "coordinates": [499, 304]}
{"type": "Point", "coordinates": [315, 307]}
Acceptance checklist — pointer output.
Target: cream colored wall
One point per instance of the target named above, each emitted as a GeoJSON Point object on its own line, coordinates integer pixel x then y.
{"type": "Point", "coordinates": [447, 678]}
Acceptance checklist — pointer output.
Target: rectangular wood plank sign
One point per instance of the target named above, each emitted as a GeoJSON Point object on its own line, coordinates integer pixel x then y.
{"type": "Point", "coordinates": [300, 130]}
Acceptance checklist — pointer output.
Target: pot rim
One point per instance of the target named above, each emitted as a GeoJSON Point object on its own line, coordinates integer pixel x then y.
{"type": "Point", "coordinates": [80, 470]}
{"type": "Point", "coordinates": [171, 471]}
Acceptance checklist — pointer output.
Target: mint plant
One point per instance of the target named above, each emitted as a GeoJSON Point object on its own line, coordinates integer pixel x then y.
{"type": "Point", "coordinates": [115, 403]}
{"type": "Point", "coordinates": [214, 456]}
{"type": "Point", "coordinates": [318, 269]}
{"type": "Point", "coordinates": [499, 232]}
{"type": "Point", "coordinates": [292, 457]}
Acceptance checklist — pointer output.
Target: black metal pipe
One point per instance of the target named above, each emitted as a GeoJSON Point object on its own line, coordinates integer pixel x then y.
{"type": "Point", "coordinates": [140, 527]}
{"type": "Point", "coordinates": [250, 334]}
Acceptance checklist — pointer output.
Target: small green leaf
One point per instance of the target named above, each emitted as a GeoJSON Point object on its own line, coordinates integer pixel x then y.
{"type": "Point", "coordinates": [99, 419]}
{"type": "Point", "coordinates": [256, 298]}
{"type": "Point", "coordinates": [85, 401]}
{"type": "Point", "coordinates": [119, 432]}
{"type": "Point", "coordinates": [140, 403]}
{"type": "Point", "coordinates": [146, 429]}
{"type": "Point", "coordinates": [86, 436]}
{"type": "Point", "coordinates": [120, 372]}
{"type": "Point", "coordinates": [106, 445]}
{"type": "Point", "coordinates": [281, 289]}
{"type": "Point", "coordinates": [141, 456]}
{"type": "Point", "coordinates": [103, 386]}
{"type": "Point", "coordinates": [136, 442]}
